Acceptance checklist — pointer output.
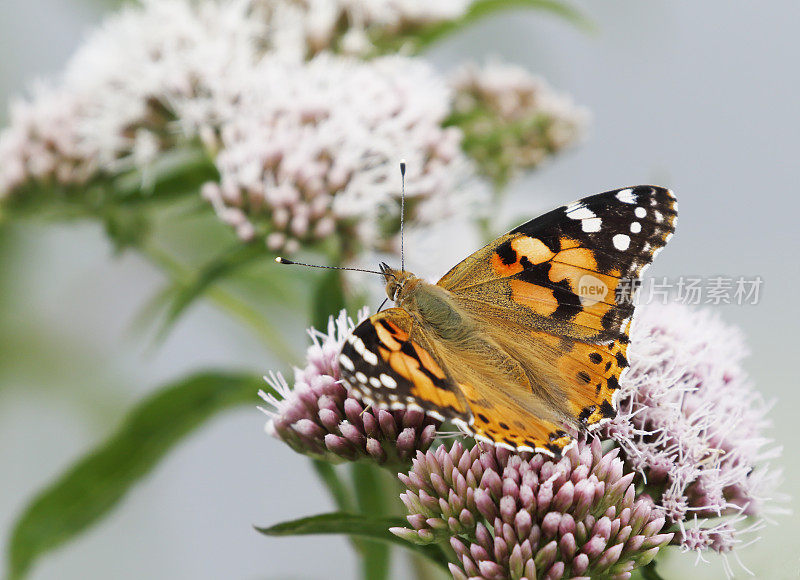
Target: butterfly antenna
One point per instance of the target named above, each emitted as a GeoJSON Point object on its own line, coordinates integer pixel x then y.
{"type": "Point", "coordinates": [402, 213]}
{"type": "Point", "coordinates": [281, 260]}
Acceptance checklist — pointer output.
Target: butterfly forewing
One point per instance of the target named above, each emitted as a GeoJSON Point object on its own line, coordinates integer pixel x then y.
{"type": "Point", "coordinates": [573, 270]}
{"type": "Point", "coordinates": [386, 362]}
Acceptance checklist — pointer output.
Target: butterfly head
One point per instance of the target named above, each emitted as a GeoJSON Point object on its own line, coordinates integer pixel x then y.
{"type": "Point", "coordinates": [398, 283]}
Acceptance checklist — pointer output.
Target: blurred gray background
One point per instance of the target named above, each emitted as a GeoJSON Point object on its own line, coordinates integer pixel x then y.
{"type": "Point", "coordinates": [699, 96]}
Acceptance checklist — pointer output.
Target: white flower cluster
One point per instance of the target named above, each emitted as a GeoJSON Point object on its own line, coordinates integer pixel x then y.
{"type": "Point", "coordinates": [143, 61]}
{"type": "Point", "coordinates": [42, 144]}
{"type": "Point", "coordinates": [308, 149]}
{"type": "Point", "coordinates": [304, 28]}
{"type": "Point", "coordinates": [504, 109]}
{"type": "Point", "coordinates": [302, 147]}
{"type": "Point", "coordinates": [112, 108]}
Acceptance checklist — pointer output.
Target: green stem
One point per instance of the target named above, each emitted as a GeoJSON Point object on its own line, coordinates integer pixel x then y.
{"type": "Point", "coordinates": [342, 496]}
{"type": "Point", "coordinates": [372, 500]}
{"type": "Point", "coordinates": [481, 9]}
{"type": "Point", "coordinates": [424, 569]}
{"type": "Point", "coordinates": [368, 494]}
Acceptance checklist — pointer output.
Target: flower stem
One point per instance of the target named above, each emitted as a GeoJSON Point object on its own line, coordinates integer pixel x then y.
{"type": "Point", "coordinates": [342, 496]}
{"type": "Point", "coordinates": [372, 500]}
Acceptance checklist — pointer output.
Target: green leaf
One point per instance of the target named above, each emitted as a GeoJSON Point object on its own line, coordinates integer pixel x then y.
{"type": "Point", "coordinates": [267, 290]}
{"type": "Point", "coordinates": [372, 528]}
{"type": "Point", "coordinates": [89, 489]}
{"type": "Point", "coordinates": [214, 271]}
{"type": "Point", "coordinates": [328, 298]}
{"type": "Point", "coordinates": [374, 555]}
{"type": "Point", "coordinates": [479, 10]}
{"type": "Point", "coordinates": [174, 173]}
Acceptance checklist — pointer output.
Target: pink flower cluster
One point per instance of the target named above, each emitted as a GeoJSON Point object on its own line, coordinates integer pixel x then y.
{"type": "Point", "coordinates": [689, 465]}
{"type": "Point", "coordinates": [305, 150]}
{"type": "Point", "coordinates": [691, 422]}
{"type": "Point", "coordinates": [317, 417]}
{"type": "Point", "coordinates": [527, 516]}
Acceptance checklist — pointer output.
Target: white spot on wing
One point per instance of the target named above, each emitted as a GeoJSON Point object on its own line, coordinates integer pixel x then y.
{"type": "Point", "coordinates": [361, 377]}
{"type": "Point", "coordinates": [591, 225]}
{"type": "Point", "coordinates": [388, 381]}
{"type": "Point", "coordinates": [374, 382]}
{"type": "Point", "coordinates": [370, 357]}
{"type": "Point", "coordinates": [581, 213]}
{"type": "Point", "coordinates": [622, 242]}
{"type": "Point", "coordinates": [626, 196]}
{"type": "Point", "coordinates": [345, 361]}
{"type": "Point", "coordinates": [640, 212]}
{"type": "Point", "coordinates": [636, 227]}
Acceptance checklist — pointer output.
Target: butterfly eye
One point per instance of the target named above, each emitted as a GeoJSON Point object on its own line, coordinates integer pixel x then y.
{"type": "Point", "coordinates": [392, 289]}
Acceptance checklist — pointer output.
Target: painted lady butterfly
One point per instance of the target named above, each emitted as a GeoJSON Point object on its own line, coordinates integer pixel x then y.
{"type": "Point", "coordinates": [523, 342]}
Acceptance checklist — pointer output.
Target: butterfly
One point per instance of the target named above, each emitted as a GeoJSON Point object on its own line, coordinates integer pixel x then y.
{"type": "Point", "coordinates": [523, 343]}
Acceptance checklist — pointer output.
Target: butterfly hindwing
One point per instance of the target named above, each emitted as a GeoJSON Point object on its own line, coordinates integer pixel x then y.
{"type": "Point", "coordinates": [501, 418]}
{"type": "Point", "coordinates": [588, 377]}
{"type": "Point", "coordinates": [385, 362]}
{"type": "Point", "coordinates": [592, 372]}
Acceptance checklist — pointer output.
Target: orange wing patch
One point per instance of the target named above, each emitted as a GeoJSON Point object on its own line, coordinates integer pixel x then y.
{"type": "Point", "coordinates": [385, 365]}
{"type": "Point", "coordinates": [507, 263]}
{"type": "Point", "coordinates": [390, 335]}
{"type": "Point", "coordinates": [501, 421]}
{"type": "Point", "coordinates": [590, 374]}
{"type": "Point", "coordinates": [428, 381]}
{"type": "Point", "coordinates": [540, 299]}
{"type": "Point", "coordinates": [565, 282]}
